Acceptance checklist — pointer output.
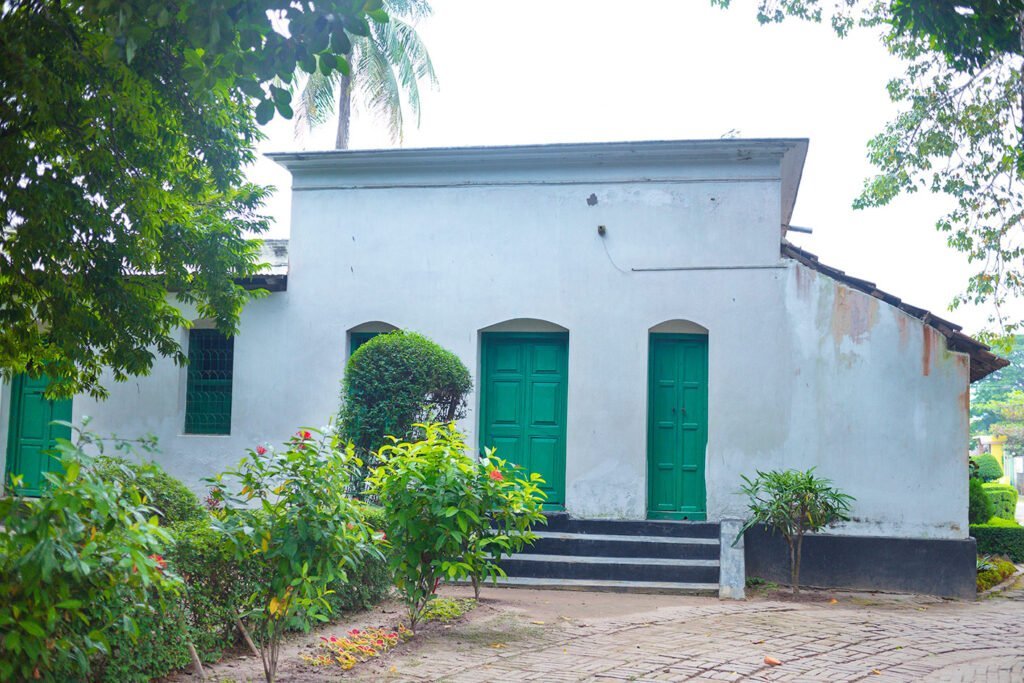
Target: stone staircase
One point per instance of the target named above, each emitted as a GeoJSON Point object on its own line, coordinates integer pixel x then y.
{"type": "Point", "coordinates": [656, 556]}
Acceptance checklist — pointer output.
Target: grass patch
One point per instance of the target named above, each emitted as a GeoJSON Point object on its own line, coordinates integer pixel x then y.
{"type": "Point", "coordinates": [447, 610]}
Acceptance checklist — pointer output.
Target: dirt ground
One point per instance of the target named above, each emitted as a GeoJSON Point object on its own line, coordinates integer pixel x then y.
{"type": "Point", "coordinates": [504, 614]}
{"type": "Point", "coordinates": [521, 634]}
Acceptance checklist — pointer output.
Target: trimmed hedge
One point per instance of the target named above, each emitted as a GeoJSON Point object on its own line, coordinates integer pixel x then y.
{"type": "Point", "coordinates": [989, 467]}
{"type": "Point", "coordinates": [215, 586]}
{"type": "Point", "coordinates": [979, 505]}
{"type": "Point", "coordinates": [1000, 537]}
{"type": "Point", "coordinates": [173, 500]}
{"type": "Point", "coordinates": [1004, 500]}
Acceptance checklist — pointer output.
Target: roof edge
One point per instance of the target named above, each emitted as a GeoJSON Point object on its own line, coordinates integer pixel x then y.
{"type": "Point", "coordinates": [983, 361]}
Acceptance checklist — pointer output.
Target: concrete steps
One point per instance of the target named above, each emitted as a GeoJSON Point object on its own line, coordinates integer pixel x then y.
{"type": "Point", "coordinates": [650, 556]}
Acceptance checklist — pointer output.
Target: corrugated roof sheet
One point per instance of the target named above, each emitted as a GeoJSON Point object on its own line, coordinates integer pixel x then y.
{"type": "Point", "coordinates": [983, 361]}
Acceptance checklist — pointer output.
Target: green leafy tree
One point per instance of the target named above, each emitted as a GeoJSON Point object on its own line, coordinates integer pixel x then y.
{"type": "Point", "coordinates": [124, 129]}
{"type": "Point", "coordinates": [960, 125]}
{"type": "Point", "coordinates": [69, 562]}
{"type": "Point", "coordinates": [287, 511]}
{"type": "Point", "coordinates": [793, 503]}
{"type": "Point", "coordinates": [389, 64]}
{"type": "Point", "coordinates": [1002, 390]}
{"type": "Point", "coordinates": [439, 512]}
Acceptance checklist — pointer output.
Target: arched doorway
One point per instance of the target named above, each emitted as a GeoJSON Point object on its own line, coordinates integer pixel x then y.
{"type": "Point", "coordinates": [677, 421]}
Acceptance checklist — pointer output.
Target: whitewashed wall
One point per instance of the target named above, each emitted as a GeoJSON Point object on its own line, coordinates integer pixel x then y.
{"type": "Point", "coordinates": [802, 371]}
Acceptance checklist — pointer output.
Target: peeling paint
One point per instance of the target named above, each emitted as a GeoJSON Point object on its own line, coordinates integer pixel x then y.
{"type": "Point", "coordinates": [853, 315]}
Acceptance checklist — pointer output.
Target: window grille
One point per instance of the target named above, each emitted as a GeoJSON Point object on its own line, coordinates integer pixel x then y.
{"type": "Point", "coordinates": [210, 373]}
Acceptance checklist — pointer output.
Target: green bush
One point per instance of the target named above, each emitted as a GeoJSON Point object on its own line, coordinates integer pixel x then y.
{"type": "Point", "coordinates": [989, 467]}
{"type": "Point", "coordinates": [396, 380]}
{"type": "Point", "coordinates": [287, 509]}
{"type": "Point", "coordinates": [1000, 537]}
{"type": "Point", "coordinates": [1004, 500]}
{"type": "Point", "coordinates": [172, 499]}
{"type": "Point", "coordinates": [993, 571]}
{"type": "Point", "coordinates": [216, 585]}
{"type": "Point", "coordinates": [437, 512]}
{"type": "Point", "coordinates": [69, 560]}
{"type": "Point", "coordinates": [979, 506]}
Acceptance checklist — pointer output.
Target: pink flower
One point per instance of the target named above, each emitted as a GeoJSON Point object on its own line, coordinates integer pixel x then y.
{"type": "Point", "coordinates": [260, 450]}
{"type": "Point", "coordinates": [495, 475]}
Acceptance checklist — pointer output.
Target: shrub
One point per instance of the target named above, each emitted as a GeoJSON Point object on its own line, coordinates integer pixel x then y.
{"type": "Point", "coordinates": [289, 513]}
{"type": "Point", "coordinates": [395, 381]}
{"type": "Point", "coordinates": [1000, 537]}
{"type": "Point", "coordinates": [993, 571]}
{"type": "Point", "coordinates": [979, 505]}
{"type": "Point", "coordinates": [989, 467]}
{"type": "Point", "coordinates": [793, 503]}
{"type": "Point", "coordinates": [173, 500]}
{"type": "Point", "coordinates": [434, 508]}
{"type": "Point", "coordinates": [215, 584]}
{"type": "Point", "coordinates": [68, 562]}
{"type": "Point", "coordinates": [1004, 500]}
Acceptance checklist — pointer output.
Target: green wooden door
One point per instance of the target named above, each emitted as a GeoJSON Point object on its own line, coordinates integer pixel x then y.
{"type": "Point", "coordinates": [31, 436]}
{"type": "Point", "coordinates": [523, 404]}
{"type": "Point", "coordinates": [677, 430]}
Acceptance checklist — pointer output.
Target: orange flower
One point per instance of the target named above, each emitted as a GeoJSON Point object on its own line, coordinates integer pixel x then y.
{"type": "Point", "coordinates": [496, 475]}
{"type": "Point", "coordinates": [161, 563]}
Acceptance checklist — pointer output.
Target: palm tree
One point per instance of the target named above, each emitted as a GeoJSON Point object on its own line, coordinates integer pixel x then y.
{"type": "Point", "coordinates": [386, 65]}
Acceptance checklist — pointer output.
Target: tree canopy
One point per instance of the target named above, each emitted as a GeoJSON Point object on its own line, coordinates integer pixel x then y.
{"type": "Point", "coordinates": [960, 125]}
{"type": "Point", "coordinates": [389, 64]}
{"type": "Point", "coordinates": [124, 130]}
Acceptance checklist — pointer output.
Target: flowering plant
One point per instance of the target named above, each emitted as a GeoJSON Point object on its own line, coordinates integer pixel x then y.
{"type": "Point", "coordinates": [289, 506]}
{"type": "Point", "coordinates": [448, 516]}
{"type": "Point", "coordinates": [357, 646]}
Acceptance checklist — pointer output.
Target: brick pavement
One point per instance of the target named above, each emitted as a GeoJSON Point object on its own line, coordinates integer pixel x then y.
{"type": "Point", "coordinates": [869, 637]}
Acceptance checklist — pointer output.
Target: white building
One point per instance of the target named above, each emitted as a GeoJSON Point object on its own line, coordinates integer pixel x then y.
{"type": "Point", "coordinates": [639, 328]}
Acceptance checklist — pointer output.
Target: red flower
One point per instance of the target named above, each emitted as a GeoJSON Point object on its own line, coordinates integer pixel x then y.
{"type": "Point", "coordinates": [304, 435]}
{"type": "Point", "coordinates": [260, 450]}
{"type": "Point", "coordinates": [161, 563]}
{"type": "Point", "coordinates": [382, 536]}
{"type": "Point", "coordinates": [496, 475]}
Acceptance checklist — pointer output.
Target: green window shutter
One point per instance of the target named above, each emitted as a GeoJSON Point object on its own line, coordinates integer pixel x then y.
{"type": "Point", "coordinates": [211, 358]}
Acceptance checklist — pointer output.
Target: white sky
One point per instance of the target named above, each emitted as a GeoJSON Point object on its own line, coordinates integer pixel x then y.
{"type": "Point", "coordinates": [546, 71]}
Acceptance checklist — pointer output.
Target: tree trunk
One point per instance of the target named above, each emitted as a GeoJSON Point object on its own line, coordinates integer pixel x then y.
{"type": "Point", "coordinates": [796, 563]}
{"type": "Point", "coordinates": [344, 112]}
{"type": "Point", "coordinates": [794, 572]}
{"type": "Point", "coordinates": [476, 586]}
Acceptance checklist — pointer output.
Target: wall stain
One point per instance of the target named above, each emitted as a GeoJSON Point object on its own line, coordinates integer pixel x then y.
{"type": "Point", "coordinates": [804, 282]}
{"type": "Point", "coordinates": [853, 315]}
{"type": "Point", "coordinates": [904, 328]}
{"type": "Point", "coordinates": [926, 350]}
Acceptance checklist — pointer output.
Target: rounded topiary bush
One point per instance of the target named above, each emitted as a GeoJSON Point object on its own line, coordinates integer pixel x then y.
{"type": "Point", "coordinates": [396, 380]}
{"type": "Point", "coordinates": [979, 507]}
{"type": "Point", "coordinates": [989, 468]}
{"type": "Point", "coordinates": [171, 498]}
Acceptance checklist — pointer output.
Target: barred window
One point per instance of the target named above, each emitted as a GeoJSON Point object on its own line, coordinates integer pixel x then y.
{"type": "Point", "coordinates": [210, 372]}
